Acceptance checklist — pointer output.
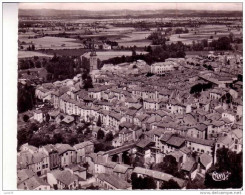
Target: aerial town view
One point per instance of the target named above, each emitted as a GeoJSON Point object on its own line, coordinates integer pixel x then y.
{"type": "Point", "coordinates": [122, 98]}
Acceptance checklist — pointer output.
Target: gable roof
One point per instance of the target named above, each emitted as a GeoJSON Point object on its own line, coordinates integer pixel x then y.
{"type": "Point", "coordinates": [205, 159]}
{"type": "Point", "coordinates": [121, 168]}
{"type": "Point", "coordinates": [201, 141]}
{"type": "Point", "coordinates": [144, 143]}
{"type": "Point", "coordinates": [24, 174]}
{"type": "Point", "coordinates": [158, 175]}
{"type": "Point", "coordinates": [61, 148]}
{"type": "Point", "coordinates": [65, 177]}
{"type": "Point", "coordinates": [188, 165]}
{"type": "Point", "coordinates": [115, 181]}
{"type": "Point", "coordinates": [176, 141]}
{"type": "Point", "coordinates": [35, 182]}
{"type": "Point", "coordinates": [83, 144]}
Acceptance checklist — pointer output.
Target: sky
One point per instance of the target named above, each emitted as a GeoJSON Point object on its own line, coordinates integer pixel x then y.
{"type": "Point", "coordinates": [133, 6]}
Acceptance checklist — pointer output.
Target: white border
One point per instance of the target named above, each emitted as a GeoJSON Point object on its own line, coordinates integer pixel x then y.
{"type": "Point", "coordinates": [9, 90]}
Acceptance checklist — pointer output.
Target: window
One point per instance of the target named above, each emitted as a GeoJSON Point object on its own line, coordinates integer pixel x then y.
{"type": "Point", "coordinates": [235, 147]}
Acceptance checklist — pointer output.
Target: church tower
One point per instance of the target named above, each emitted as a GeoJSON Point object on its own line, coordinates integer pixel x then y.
{"type": "Point", "coordinates": [93, 60]}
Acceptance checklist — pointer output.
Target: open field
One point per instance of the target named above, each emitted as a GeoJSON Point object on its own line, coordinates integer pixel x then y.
{"type": "Point", "coordinates": [66, 52]}
{"type": "Point", "coordinates": [28, 54]}
{"type": "Point", "coordinates": [104, 55]}
{"type": "Point", "coordinates": [53, 43]}
{"type": "Point", "coordinates": [204, 32]}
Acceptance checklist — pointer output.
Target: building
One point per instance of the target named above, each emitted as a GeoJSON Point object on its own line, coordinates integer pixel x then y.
{"type": "Point", "coordinates": [62, 180]}
{"type": "Point", "coordinates": [112, 182]}
{"type": "Point", "coordinates": [93, 61]}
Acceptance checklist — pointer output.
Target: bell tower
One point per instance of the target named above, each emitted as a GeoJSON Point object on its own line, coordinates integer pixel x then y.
{"type": "Point", "coordinates": [93, 59]}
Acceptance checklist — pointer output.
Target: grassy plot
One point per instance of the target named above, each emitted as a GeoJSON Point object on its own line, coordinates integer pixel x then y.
{"type": "Point", "coordinates": [105, 55]}
{"type": "Point", "coordinates": [29, 54]}
{"type": "Point", "coordinates": [65, 52]}
{"type": "Point", "coordinates": [54, 43]}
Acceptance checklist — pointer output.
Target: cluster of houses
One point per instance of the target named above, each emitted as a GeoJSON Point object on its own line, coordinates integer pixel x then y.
{"type": "Point", "coordinates": [149, 117]}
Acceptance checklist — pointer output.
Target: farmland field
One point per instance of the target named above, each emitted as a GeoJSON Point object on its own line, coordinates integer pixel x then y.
{"type": "Point", "coordinates": [104, 55]}
{"type": "Point", "coordinates": [28, 54]}
{"type": "Point", "coordinates": [66, 52]}
{"type": "Point", "coordinates": [203, 32]}
{"type": "Point", "coordinates": [53, 43]}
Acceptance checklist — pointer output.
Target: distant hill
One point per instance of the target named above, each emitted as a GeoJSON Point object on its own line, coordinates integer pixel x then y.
{"type": "Point", "coordinates": [126, 13]}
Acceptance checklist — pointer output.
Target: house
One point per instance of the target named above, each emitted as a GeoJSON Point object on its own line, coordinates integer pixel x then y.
{"type": "Point", "coordinates": [160, 68]}
{"type": "Point", "coordinates": [200, 145]}
{"type": "Point", "coordinates": [106, 46]}
{"type": "Point", "coordinates": [23, 175]}
{"type": "Point", "coordinates": [205, 161]}
{"type": "Point", "coordinates": [83, 149]}
{"type": "Point", "coordinates": [77, 170]}
{"type": "Point", "coordinates": [67, 154]}
{"type": "Point", "coordinates": [109, 167]}
{"type": "Point", "coordinates": [29, 148]}
{"type": "Point", "coordinates": [34, 183]}
{"type": "Point", "coordinates": [95, 131]}
{"type": "Point", "coordinates": [190, 168]}
{"type": "Point", "coordinates": [62, 180]}
{"type": "Point", "coordinates": [144, 148]}
{"type": "Point", "coordinates": [123, 171]}
{"type": "Point", "coordinates": [39, 163]}
{"type": "Point", "coordinates": [199, 131]}
{"type": "Point", "coordinates": [112, 182]}
{"type": "Point", "coordinates": [54, 159]}
{"type": "Point", "coordinates": [38, 116]}
{"type": "Point", "coordinates": [159, 177]}
{"type": "Point", "coordinates": [34, 74]}
{"type": "Point", "coordinates": [172, 143]}
{"type": "Point", "coordinates": [236, 136]}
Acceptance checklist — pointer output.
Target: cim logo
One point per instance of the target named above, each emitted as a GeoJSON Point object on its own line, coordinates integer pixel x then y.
{"type": "Point", "coordinates": [220, 176]}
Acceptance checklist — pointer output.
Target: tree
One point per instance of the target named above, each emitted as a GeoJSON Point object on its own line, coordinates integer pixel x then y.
{"type": "Point", "coordinates": [100, 134]}
{"type": "Point", "coordinates": [51, 128]}
{"type": "Point", "coordinates": [142, 183]}
{"type": "Point", "coordinates": [72, 140]}
{"type": "Point", "coordinates": [98, 123]}
{"type": "Point", "coordinates": [109, 137]}
{"type": "Point", "coordinates": [33, 47]}
{"type": "Point", "coordinates": [171, 184]}
{"type": "Point", "coordinates": [33, 127]}
{"type": "Point", "coordinates": [169, 165]}
{"type": "Point", "coordinates": [227, 162]}
{"type": "Point", "coordinates": [26, 97]}
{"type": "Point", "coordinates": [86, 165]}
{"type": "Point", "coordinates": [133, 52]}
{"type": "Point", "coordinates": [88, 82]}
{"type": "Point", "coordinates": [149, 183]}
{"type": "Point", "coordinates": [47, 118]}
{"type": "Point", "coordinates": [57, 138]}
{"type": "Point", "coordinates": [26, 118]}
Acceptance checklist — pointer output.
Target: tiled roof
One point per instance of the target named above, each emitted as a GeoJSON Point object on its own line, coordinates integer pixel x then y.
{"type": "Point", "coordinates": [200, 141]}
{"type": "Point", "coordinates": [143, 143]}
{"type": "Point", "coordinates": [35, 182]}
{"type": "Point", "coordinates": [61, 148]}
{"type": "Point", "coordinates": [65, 177]}
{"type": "Point", "coordinates": [82, 145]}
{"type": "Point", "coordinates": [205, 159]}
{"type": "Point", "coordinates": [176, 141]}
{"type": "Point", "coordinates": [121, 168]}
{"type": "Point", "coordinates": [158, 175]}
{"type": "Point", "coordinates": [188, 165]}
{"type": "Point", "coordinates": [115, 181]}
{"type": "Point", "coordinates": [24, 174]}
